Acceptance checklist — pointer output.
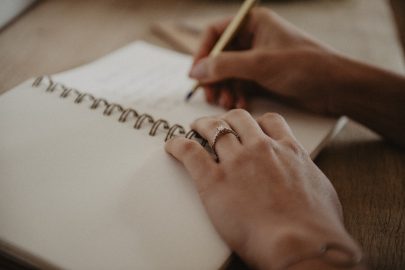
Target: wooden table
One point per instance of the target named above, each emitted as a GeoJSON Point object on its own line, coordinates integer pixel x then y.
{"type": "Point", "coordinates": [368, 173]}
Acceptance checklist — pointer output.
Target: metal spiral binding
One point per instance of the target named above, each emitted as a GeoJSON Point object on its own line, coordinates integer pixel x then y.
{"type": "Point", "coordinates": [125, 113]}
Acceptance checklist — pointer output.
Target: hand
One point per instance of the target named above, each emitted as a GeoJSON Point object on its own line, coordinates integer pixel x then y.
{"type": "Point", "coordinates": [265, 196]}
{"type": "Point", "coordinates": [268, 54]}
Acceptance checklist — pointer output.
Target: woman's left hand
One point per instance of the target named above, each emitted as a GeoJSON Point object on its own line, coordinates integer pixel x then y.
{"type": "Point", "coordinates": [265, 191]}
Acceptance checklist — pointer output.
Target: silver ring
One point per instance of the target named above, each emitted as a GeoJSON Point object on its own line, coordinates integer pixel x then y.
{"type": "Point", "coordinates": [222, 130]}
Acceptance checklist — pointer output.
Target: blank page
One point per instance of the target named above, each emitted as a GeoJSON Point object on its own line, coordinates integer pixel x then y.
{"type": "Point", "coordinates": [80, 190]}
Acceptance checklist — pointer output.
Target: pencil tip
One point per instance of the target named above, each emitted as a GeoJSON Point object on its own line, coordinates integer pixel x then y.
{"type": "Point", "coordinates": [189, 96]}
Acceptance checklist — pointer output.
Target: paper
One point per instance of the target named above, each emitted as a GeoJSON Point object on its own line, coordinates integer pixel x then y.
{"type": "Point", "coordinates": [154, 80]}
{"type": "Point", "coordinates": [80, 190]}
{"type": "Point", "coordinates": [137, 74]}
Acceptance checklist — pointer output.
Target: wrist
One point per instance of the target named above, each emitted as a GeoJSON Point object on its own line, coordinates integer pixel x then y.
{"type": "Point", "coordinates": [288, 246]}
{"type": "Point", "coordinates": [349, 76]}
{"type": "Point", "coordinates": [320, 263]}
{"type": "Point", "coordinates": [356, 82]}
{"type": "Point", "coordinates": [371, 96]}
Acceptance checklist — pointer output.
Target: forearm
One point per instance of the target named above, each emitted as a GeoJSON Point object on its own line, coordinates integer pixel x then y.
{"type": "Point", "coordinates": [373, 97]}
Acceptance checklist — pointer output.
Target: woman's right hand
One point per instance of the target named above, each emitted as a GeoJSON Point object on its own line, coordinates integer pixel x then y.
{"type": "Point", "coordinates": [264, 195]}
{"type": "Point", "coordinates": [276, 57]}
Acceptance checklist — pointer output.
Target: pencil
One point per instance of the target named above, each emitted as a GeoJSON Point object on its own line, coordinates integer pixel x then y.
{"type": "Point", "coordinates": [227, 35]}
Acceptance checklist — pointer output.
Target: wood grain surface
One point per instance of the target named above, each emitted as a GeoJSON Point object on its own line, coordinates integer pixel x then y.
{"type": "Point", "coordinates": [368, 173]}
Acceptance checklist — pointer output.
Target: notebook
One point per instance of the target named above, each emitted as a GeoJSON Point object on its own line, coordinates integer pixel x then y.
{"type": "Point", "coordinates": [85, 181]}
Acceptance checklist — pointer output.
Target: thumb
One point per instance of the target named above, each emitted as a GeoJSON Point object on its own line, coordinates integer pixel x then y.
{"type": "Point", "coordinates": [227, 65]}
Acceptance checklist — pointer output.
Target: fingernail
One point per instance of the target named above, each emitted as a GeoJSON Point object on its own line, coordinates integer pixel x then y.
{"type": "Point", "coordinates": [222, 101]}
{"type": "Point", "coordinates": [200, 70]}
{"type": "Point", "coordinates": [209, 98]}
{"type": "Point", "coordinates": [241, 104]}
{"type": "Point", "coordinates": [228, 102]}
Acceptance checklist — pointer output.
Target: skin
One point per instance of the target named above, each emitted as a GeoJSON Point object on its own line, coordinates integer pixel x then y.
{"type": "Point", "coordinates": [266, 198]}
{"type": "Point", "coordinates": [272, 56]}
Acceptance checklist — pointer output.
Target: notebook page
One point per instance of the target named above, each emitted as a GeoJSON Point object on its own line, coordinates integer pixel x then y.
{"type": "Point", "coordinates": [154, 80]}
{"type": "Point", "coordinates": [139, 75]}
{"type": "Point", "coordinates": [80, 190]}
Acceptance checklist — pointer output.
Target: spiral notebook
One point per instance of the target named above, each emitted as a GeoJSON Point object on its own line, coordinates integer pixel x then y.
{"type": "Point", "coordinates": [85, 182]}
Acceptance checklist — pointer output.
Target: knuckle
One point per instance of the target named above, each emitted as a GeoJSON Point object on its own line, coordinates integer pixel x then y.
{"type": "Point", "coordinates": [263, 14]}
{"type": "Point", "coordinates": [260, 11]}
{"type": "Point", "coordinates": [217, 65]}
{"type": "Point", "coordinates": [188, 147]}
{"type": "Point", "coordinates": [206, 122]}
{"type": "Point", "coordinates": [294, 146]}
{"type": "Point", "coordinates": [275, 117]}
{"type": "Point", "coordinates": [237, 113]}
{"type": "Point", "coordinates": [198, 121]}
{"type": "Point", "coordinates": [261, 119]}
{"type": "Point", "coordinates": [213, 123]}
{"type": "Point", "coordinates": [268, 14]}
{"type": "Point", "coordinates": [260, 144]}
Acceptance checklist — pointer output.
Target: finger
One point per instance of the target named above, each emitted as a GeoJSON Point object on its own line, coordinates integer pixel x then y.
{"type": "Point", "coordinates": [217, 92]}
{"type": "Point", "coordinates": [240, 101]}
{"type": "Point", "coordinates": [209, 92]}
{"type": "Point", "coordinates": [212, 92]}
{"type": "Point", "coordinates": [229, 65]}
{"type": "Point", "coordinates": [207, 128]}
{"type": "Point", "coordinates": [226, 98]}
{"type": "Point", "coordinates": [244, 124]}
{"type": "Point", "coordinates": [275, 126]}
{"type": "Point", "coordinates": [209, 38]}
{"type": "Point", "coordinates": [192, 155]}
